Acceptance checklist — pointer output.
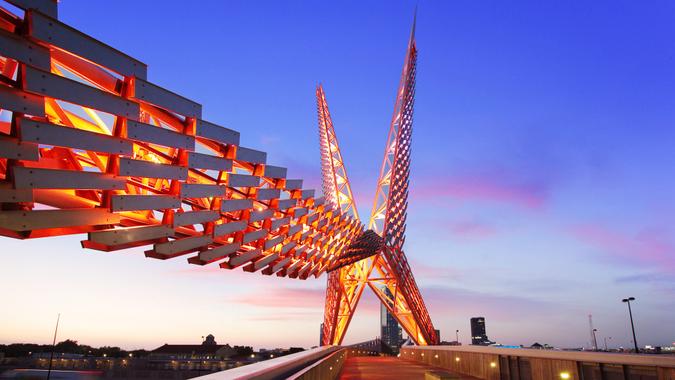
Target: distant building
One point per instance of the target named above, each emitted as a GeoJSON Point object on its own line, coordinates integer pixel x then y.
{"type": "Point", "coordinates": [321, 335]}
{"type": "Point", "coordinates": [478, 334]}
{"type": "Point", "coordinates": [539, 346]}
{"type": "Point", "coordinates": [390, 332]}
{"type": "Point", "coordinates": [210, 340]}
{"type": "Point", "coordinates": [209, 349]}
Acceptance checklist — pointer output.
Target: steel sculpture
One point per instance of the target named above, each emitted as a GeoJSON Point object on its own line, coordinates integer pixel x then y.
{"type": "Point", "coordinates": [388, 268]}
{"type": "Point", "coordinates": [89, 145]}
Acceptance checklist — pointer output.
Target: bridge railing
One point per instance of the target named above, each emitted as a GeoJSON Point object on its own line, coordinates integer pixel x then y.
{"type": "Point", "coordinates": [326, 368]}
{"type": "Point", "coordinates": [330, 366]}
{"type": "Point", "coordinates": [315, 364]}
{"type": "Point", "coordinates": [495, 363]}
{"type": "Point", "coordinates": [276, 368]}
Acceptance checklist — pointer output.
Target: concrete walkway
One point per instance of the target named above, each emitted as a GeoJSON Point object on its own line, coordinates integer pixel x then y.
{"type": "Point", "coordinates": [375, 368]}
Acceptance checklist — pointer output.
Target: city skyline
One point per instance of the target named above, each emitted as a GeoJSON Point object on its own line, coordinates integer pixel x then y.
{"type": "Point", "coordinates": [514, 181]}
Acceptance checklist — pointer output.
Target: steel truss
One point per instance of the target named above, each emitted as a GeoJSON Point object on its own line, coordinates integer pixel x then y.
{"type": "Point", "coordinates": [88, 145]}
{"type": "Point", "coordinates": [388, 269]}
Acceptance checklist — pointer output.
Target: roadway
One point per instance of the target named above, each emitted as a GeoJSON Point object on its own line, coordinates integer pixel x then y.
{"type": "Point", "coordinates": [389, 368]}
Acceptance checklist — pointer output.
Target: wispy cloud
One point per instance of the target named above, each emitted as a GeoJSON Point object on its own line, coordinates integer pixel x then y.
{"type": "Point", "coordinates": [284, 297]}
{"type": "Point", "coordinates": [649, 247]}
{"type": "Point", "coordinates": [434, 271]}
{"type": "Point", "coordinates": [494, 185]}
{"type": "Point", "coordinates": [651, 277]}
{"type": "Point", "coordinates": [294, 316]}
{"type": "Point", "coordinates": [453, 301]}
{"type": "Point", "coordinates": [211, 270]}
{"type": "Point", "coordinates": [297, 302]}
{"type": "Point", "coordinates": [472, 229]}
{"type": "Point", "coordinates": [663, 282]}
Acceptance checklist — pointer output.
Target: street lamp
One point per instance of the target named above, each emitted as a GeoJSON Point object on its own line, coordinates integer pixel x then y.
{"type": "Point", "coordinates": [632, 325]}
{"type": "Point", "coordinates": [595, 339]}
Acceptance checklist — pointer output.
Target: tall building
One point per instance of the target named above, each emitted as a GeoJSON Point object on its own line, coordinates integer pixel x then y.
{"type": "Point", "coordinates": [478, 335]}
{"type": "Point", "coordinates": [390, 331]}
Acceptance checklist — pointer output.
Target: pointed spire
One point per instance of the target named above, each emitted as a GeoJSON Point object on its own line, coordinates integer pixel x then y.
{"type": "Point", "coordinates": [412, 30]}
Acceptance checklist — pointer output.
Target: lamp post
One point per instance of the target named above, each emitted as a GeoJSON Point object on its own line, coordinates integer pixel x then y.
{"type": "Point", "coordinates": [595, 339]}
{"type": "Point", "coordinates": [632, 325]}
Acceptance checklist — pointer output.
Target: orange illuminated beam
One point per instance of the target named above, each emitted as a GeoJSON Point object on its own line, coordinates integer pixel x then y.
{"type": "Point", "coordinates": [133, 165]}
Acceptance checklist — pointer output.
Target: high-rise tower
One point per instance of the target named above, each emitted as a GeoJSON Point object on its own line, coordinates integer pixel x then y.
{"type": "Point", "coordinates": [478, 333]}
{"type": "Point", "coordinates": [390, 331]}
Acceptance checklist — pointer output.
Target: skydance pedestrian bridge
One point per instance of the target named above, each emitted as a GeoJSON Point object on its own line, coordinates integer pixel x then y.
{"type": "Point", "coordinates": [89, 145]}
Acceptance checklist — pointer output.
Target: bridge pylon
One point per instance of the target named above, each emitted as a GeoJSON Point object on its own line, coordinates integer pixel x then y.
{"type": "Point", "coordinates": [389, 268]}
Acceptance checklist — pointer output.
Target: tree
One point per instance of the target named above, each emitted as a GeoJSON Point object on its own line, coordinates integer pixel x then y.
{"type": "Point", "coordinates": [67, 346]}
{"type": "Point", "coordinates": [243, 350]}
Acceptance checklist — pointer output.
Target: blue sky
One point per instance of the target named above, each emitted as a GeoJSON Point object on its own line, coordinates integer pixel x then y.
{"type": "Point", "coordinates": [541, 186]}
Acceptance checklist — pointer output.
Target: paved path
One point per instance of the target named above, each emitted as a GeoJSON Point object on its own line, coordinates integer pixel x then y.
{"type": "Point", "coordinates": [390, 368]}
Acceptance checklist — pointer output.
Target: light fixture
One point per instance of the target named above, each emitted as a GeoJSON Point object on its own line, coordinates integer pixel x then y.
{"type": "Point", "coordinates": [493, 365]}
{"type": "Point", "coordinates": [565, 375]}
{"type": "Point", "coordinates": [457, 359]}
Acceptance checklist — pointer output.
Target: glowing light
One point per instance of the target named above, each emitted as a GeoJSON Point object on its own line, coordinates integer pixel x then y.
{"type": "Point", "coordinates": [493, 365]}
{"type": "Point", "coordinates": [391, 186]}
{"type": "Point", "coordinates": [565, 375]}
{"type": "Point", "coordinates": [456, 359]}
{"type": "Point", "coordinates": [140, 179]}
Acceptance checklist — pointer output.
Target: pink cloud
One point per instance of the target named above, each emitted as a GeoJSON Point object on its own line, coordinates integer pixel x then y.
{"type": "Point", "coordinates": [662, 282]}
{"type": "Point", "coordinates": [303, 301]}
{"type": "Point", "coordinates": [428, 271]}
{"type": "Point", "coordinates": [498, 187]}
{"type": "Point", "coordinates": [276, 316]}
{"type": "Point", "coordinates": [650, 247]}
{"type": "Point", "coordinates": [456, 301]}
{"type": "Point", "coordinates": [472, 229]}
{"type": "Point", "coordinates": [284, 297]}
{"type": "Point", "coordinates": [210, 270]}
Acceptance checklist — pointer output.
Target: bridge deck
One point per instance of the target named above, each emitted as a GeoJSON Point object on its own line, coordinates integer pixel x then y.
{"type": "Point", "coordinates": [375, 368]}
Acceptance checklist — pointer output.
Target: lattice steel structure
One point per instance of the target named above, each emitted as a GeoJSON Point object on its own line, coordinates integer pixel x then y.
{"type": "Point", "coordinates": [88, 144]}
{"type": "Point", "coordinates": [388, 269]}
